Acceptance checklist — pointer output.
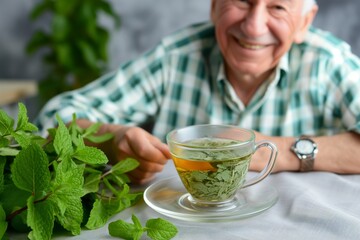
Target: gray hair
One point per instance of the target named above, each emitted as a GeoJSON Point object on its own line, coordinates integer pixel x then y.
{"type": "Point", "coordinates": [307, 5]}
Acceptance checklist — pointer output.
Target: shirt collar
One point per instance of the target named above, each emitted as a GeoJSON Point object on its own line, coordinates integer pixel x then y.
{"type": "Point", "coordinates": [217, 64]}
{"type": "Point", "coordinates": [282, 70]}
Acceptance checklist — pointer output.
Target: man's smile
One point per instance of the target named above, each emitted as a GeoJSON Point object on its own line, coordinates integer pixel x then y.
{"type": "Point", "coordinates": [251, 46]}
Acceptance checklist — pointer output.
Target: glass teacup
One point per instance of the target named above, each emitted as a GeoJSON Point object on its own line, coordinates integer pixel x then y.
{"type": "Point", "coordinates": [212, 162]}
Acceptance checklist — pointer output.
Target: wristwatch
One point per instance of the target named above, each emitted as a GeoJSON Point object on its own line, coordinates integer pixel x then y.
{"type": "Point", "coordinates": [306, 150]}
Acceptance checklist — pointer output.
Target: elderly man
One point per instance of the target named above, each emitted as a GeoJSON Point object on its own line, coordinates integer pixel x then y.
{"type": "Point", "coordinates": [258, 64]}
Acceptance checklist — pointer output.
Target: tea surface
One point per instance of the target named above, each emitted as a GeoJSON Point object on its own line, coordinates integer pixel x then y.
{"type": "Point", "coordinates": [212, 174]}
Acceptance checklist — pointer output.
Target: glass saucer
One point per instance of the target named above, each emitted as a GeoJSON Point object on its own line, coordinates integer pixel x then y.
{"type": "Point", "coordinates": [167, 197]}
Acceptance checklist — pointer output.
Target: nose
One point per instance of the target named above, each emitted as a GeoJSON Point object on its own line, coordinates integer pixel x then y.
{"type": "Point", "coordinates": [255, 23]}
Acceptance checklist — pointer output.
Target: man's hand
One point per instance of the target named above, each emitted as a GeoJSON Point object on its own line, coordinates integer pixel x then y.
{"type": "Point", "coordinates": [148, 150]}
{"type": "Point", "coordinates": [136, 143]}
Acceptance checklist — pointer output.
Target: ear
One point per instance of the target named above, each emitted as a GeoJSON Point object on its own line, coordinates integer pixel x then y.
{"type": "Point", "coordinates": [212, 11]}
{"type": "Point", "coordinates": [306, 21]}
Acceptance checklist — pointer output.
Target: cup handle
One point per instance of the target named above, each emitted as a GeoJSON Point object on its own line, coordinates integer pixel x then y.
{"type": "Point", "coordinates": [268, 168]}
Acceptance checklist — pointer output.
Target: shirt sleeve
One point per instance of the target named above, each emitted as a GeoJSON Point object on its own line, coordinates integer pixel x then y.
{"type": "Point", "coordinates": [345, 91]}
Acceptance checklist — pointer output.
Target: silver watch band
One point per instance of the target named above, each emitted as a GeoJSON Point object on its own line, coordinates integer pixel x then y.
{"type": "Point", "coordinates": [307, 165]}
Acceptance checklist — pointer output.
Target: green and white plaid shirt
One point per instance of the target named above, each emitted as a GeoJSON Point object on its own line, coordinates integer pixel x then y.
{"type": "Point", "coordinates": [314, 91]}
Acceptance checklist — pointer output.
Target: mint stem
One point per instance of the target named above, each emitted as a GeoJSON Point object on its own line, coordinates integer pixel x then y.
{"type": "Point", "coordinates": [19, 211]}
{"type": "Point", "coordinates": [109, 186]}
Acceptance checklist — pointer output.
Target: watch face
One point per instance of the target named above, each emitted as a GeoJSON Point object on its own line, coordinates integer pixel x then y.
{"type": "Point", "coordinates": [305, 146]}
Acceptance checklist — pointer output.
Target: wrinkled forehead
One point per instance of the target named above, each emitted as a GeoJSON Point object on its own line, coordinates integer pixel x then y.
{"type": "Point", "coordinates": [291, 2]}
{"type": "Point", "coordinates": [296, 5]}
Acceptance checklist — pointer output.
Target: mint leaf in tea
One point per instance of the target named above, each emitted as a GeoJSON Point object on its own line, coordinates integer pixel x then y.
{"type": "Point", "coordinates": [212, 169]}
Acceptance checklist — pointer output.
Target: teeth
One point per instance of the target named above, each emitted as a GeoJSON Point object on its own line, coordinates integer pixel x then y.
{"type": "Point", "coordinates": [250, 46]}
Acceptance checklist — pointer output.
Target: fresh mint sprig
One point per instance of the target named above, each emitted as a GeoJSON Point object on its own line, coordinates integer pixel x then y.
{"type": "Point", "coordinates": [58, 180]}
{"type": "Point", "coordinates": [156, 229]}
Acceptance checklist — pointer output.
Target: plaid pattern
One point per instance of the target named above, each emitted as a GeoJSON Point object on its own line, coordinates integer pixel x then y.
{"type": "Point", "coordinates": [314, 91]}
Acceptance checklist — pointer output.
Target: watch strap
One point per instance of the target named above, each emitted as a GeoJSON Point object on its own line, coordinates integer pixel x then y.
{"type": "Point", "coordinates": [307, 164]}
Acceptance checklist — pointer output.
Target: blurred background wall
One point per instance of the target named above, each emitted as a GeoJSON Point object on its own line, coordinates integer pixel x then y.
{"type": "Point", "coordinates": [144, 23]}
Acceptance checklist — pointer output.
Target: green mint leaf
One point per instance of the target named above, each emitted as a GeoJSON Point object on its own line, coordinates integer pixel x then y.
{"type": "Point", "coordinates": [4, 142]}
{"type": "Point", "coordinates": [77, 140]}
{"type": "Point", "coordinates": [67, 191]}
{"type": "Point", "coordinates": [136, 222]}
{"type": "Point", "coordinates": [138, 234]}
{"type": "Point", "coordinates": [160, 229]}
{"type": "Point", "coordinates": [92, 129]}
{"type": "Point", "coordinates": [62, 141]}
{"type": "Point", "coordinates": [40, 218]}
{"type": "Point", "coordinates": [23, 120]}
{"type": "Point", "coordinates": [6, 123]}
{"type": "Point", "coordinates": [52, 132]}
{"type": "Point", "coordinates": [72, 217]}
{"type": "Point", "coordinates": [30, 170]}
{"type": "Point", "coordinates": [91, 184]}
{"type": "Point", "coordinates": [119, 179]}
{"type": "Point", "coordinates": [88, 133]}
{"type": "Point", "coordinates": [125, 166]}
{"type": "Point", "coordinates": [74, 128]}
{"type": "Point", "coordinates": [105, 208]}
{"type": "Point", "coordinates": [90, 155]}
{"type": "Point", "coordinates": [135, 197]}
{"type": "Point", "coordinates": [13, 198]}
{"type": "Point", "coordinates": [29, 127]}
{"type": "Point", "coordinates": [68, 182]}
{"type": "Point", "coordinates": [75, 133]}
{"type": "Point", "coordinates": [124, 191]}
{"type": "Point", "coordinates": [39, 140]}
{"type": "Point", "coordinates": [99, 139]}
{"type": "Point", "coordinates": [7, 151]}
{"type": "Point", "coordinates": [3, 223]}
{"type": "Point", "coordinates": [99, 214]}
{"type": "Point", "coordinates": [66, 162]}
{"type": "Point", "coordinates": [2, 167]}
{"type": "Point", "coordinates": [22, 138]}
{"type": "Point", "coordinates": [125, 230]}
{"type": "Point", "coordinates": [22, 117]}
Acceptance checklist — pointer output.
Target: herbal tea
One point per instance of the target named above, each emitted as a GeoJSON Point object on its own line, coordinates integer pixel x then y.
{"type": "Point", "coordinates": [212, 162]}
{"type": "Point", "coordinates": [210, 171]}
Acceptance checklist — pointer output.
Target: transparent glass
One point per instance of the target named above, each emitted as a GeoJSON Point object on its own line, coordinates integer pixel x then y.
{"type": "Point", "coordinates": [212, 162]}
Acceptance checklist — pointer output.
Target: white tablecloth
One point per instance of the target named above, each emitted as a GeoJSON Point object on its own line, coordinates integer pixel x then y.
{"type": "Point", "coordinates": [314, 206]}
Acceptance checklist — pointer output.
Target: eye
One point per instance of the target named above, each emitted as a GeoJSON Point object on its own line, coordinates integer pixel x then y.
{"type": "Point", "coordinates": [279, 8]}
{"type": "Point", "coordinates": [243, 3]}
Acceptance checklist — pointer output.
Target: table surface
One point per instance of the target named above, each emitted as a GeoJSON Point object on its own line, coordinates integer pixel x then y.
{"type": "Point", "coordinates": [314, 205]}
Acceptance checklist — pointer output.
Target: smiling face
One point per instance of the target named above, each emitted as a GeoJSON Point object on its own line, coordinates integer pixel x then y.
{"type": "Point", "coordinates": [254, 34]}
